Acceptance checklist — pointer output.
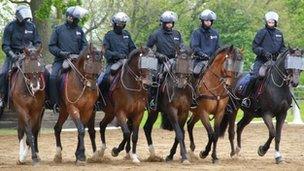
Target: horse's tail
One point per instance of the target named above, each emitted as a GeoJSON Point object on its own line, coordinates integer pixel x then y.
{"type": "Point", "coordinates": [166, 123]}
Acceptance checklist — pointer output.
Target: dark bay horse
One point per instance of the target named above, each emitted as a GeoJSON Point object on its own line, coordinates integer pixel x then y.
{"type": "Point", "coordinates": [213, 95]}
{"type": "Point", "coordinates": [27, 96]}
{"type": "Point", "coordinates": [128, 99]}
{"type": "Point", "coordinates": [174, 103]}
{"type": "Point", "coordinates": [79, 94]}
{"type": "Point", "coordinates": [273, 101]}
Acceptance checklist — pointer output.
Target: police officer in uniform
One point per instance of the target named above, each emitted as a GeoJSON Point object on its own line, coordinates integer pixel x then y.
{"type": "Point", "coordinates": [17, 35]}
{"type": "Point", "coordinates": [66, 39]}
{"type": "Point", "coordinates": [267, 45]}
{"type": "Point", "coordinates": [118, 45]}
{"type": "Point", "coordinates": [204, 42]}
{"type": "Point", "coordinates": [166, 40]}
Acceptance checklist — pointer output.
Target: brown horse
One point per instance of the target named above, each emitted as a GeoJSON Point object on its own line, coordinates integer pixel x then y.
{"type": "Point", "coordinates": [174, 104]}
{"type": "Point", "coordinates": [28, 95]}
{"type": "Point", "coordinates": [213, 95]}
{"type": "Point", "coordinates": [128, 100]}
{"type": "Point", "coordinates": [79, 95]}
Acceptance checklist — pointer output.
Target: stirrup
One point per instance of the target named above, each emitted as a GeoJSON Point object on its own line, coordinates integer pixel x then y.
{"type": "Point", "coordinates": [193, 104]}
{"type": "Point", "coordinates": [56, 109]}
{"type": "Point", "coordinates": [152, 105]}
{"type": "Point", "coordinates": [246, 102]}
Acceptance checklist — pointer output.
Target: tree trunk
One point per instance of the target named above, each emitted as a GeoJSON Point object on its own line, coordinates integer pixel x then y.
{"type": "Point", "coordinates": [44, 30]}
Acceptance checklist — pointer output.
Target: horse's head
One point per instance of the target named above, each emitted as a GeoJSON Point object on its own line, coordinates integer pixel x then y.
{"type": "Point", "coordinates": [230, 61]}
{"type": "Point", "coordinates": [143, 63]}
{"type": "Point", "coordinates": [290, 64]}
{"type": "Point", "coordinates": [32, 67]}
{"type": "Point", "coordinates": [90, 61]}
{"type": "Point", "coordinates": [182, 67]}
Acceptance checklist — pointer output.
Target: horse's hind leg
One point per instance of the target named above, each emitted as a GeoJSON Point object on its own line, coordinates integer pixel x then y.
{"type": "Point", "coordinates": [92, 132]}
{"type": "Point", "coordinates": [280, 121]}
{"type": "Point", "coordinates": [268, 121]}
{"type": "Point", "coordinates": [217, 122]}
{"type": "Point", "coordinates": [152, 117]}
{"type": "Point", "coordinates": [231, 132]}
{"type": "Point", "coordinates": [247, 118]}
{"type": "Point", "coordinates": [63, 115]}
{"type": "Point", "coordinates": [190, 125]}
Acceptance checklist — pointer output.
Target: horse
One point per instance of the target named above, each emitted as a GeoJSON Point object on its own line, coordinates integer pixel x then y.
{"type": "Point", "coordinates": [127, 100]}
{"type": "Point", "coordinates": [27, 98]}
{"type": "Point", "coordinates": [213, 95]}
{"type": "Point", "coordinates": [79, 94]}
{"type": "Point", "coordinates": [174, 103]}
{"type": "Point", "coordinates": [273, 100]}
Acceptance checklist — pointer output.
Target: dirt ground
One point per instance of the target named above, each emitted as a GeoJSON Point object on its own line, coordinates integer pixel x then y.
{"type": "Point", "coordinates": [292, 149]}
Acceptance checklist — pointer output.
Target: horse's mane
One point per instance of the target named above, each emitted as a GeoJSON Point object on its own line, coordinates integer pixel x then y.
{"type": "Point", "coordinates": [219, 50]}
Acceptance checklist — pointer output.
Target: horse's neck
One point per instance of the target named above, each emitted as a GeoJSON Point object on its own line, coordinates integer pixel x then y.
{"type": "Point", "coordinates": [276, 77]}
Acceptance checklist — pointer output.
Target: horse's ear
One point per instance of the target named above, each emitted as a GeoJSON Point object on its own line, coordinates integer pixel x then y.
{"type": "Point", "coordinates": [242, 50]}
{"type": "Point", "coordinates": [39, 49]}
{"type": "Point", "coordinates": [231, 48]}
{"type": "Point", "coordinates": [91, 47]}
{"type": "Point", "coordinates": [26, 51]}
{"type": "Point", "coordinates": [103, 49]}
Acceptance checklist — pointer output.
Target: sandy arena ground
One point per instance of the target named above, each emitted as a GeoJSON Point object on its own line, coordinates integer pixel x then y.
{"type": "Point", "coordinates": [292, 148]}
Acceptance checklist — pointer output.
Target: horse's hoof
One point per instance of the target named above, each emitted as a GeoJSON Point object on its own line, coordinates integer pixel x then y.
{"type": "Point", "coordinates": [261, 152]}
{"type": "Point", "coordinates": [232, 153]}
{"type": "Point", "coordinates": [136, 161]}
{"type": "Point", "coordinates": [186, 162]}
{"type": "Point", "coordinates": [35, 162]}
{"type": "Point", "coordinates": [38, 158]}
{"type": "Point", "coordinates": [215, 161]}
{"type": "Point", "coordinates": [169, 158]}
{"type": "Point", "coordinates": [20, 162]}
{"type": "Point", "coordinates": [153, 158]}
{"type": "Point", "coordinates": [127, 157]}
{"type": "Point", "coordinates": [237, 150]}
{"type": "Point", "coordinates": [58, 159]}
{"type": "Point", "coordinates": [279, 160]}
{"type": "Point", "coordinates": [192, 156]}
{"type": "Point", "coordinates": [114, 152]}
{"type": "Point", "coordinates": [80, 163]}
{"type": "Point", "coordinates": [203, 154]}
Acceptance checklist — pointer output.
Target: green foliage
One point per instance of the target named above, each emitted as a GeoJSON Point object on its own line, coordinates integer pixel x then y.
{"type": "Point", "coordinates": [43, 13]}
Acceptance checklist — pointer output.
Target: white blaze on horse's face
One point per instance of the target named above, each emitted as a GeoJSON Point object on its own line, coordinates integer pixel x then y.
{"type": "Point", "coordinates": [35, 87]}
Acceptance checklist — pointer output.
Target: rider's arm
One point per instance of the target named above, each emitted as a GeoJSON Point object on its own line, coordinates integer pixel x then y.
{"type": "Point", "coordinates": [256, 44]}
{"type": "Point", "coordinates": [53, 44]}
{"type": "Point", "coordinates": [6, 40]}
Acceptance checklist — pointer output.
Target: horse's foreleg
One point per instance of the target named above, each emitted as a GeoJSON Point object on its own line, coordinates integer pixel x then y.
{"type": "Point", "coordinates": [268, 121]}
{"type": "Point", "coordinates": [23, 149]}
{"type": "Point", "coordinates": [103, 125]}
{"type": "Point", "coordinates": [122, 120]}
{"type": "Point", "coordinates": [190, 125]}
{"type": "Point", "coordinates": [128, 143]}
{"type": "Point", "coordinates": [205, 120]}
{"type": "Point", "coordinates": [152, 117]}
{"type": "Point", "coordinates": [30, 139]}
{"type": "Point", "coordinates": [279, 125]}
{"type": "Point", "coordinates": [135, 128]}
{"type": "Point", "coordinates": [247, 118]}
{"type": "Point", "coordinates": [80, 152]}
{"type": "Point", "coordinates": [63, 115]}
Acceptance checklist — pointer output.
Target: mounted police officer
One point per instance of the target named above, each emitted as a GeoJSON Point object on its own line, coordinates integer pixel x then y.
{"type": "Point", "coordinates": [66, 39]}
{"type": "Point", "coordinates": [167, 41]}
{"type": "Point", "coordinates": [267, 45]}
{"type": "Point", "coordinates": [118, 45]}
{"type": "Point", "coordinates": [204, 42]}
{"type": "Point", "coordinates": [17, 35]}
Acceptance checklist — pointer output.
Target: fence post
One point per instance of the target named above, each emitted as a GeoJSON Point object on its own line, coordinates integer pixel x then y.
{"type": "Point", "coordinates": [296, 114]}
